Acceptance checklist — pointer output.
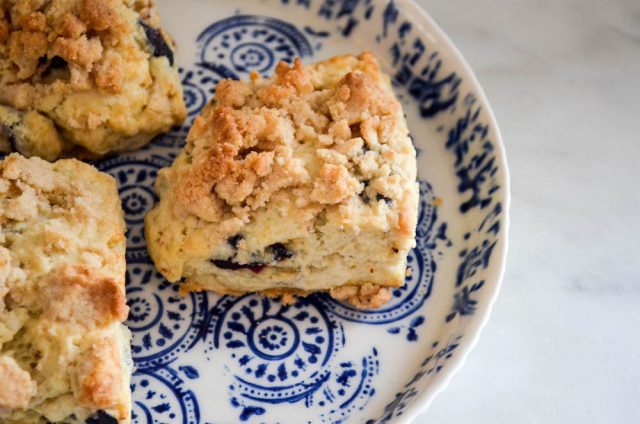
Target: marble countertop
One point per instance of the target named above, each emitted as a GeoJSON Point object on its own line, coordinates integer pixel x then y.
{"type": "Point", "coordinates": [563, 343]}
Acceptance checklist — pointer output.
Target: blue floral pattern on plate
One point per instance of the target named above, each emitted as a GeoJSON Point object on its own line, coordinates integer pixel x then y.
{"type": "Point", "coordinates": [204, 358]}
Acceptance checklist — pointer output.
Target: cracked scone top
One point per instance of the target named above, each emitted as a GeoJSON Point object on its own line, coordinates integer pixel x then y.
{"type": "Point", "coordinates": [299, 183]}
{"type": "Point", "coordinates": [64, 352]}
{"type": "Point", "coordinates": [84, 77]}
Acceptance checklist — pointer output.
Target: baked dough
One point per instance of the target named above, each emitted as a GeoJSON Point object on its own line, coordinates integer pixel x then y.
{"type": "Point", "coordinates": [300, 183]}
{"type": "Point", "coordinates": [64, 352]}
{"type": "Point", "coordinates": [84, 77]}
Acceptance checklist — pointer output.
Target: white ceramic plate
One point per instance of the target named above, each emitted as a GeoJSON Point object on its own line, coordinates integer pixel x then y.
{"type": "Point", "coordinates": [204, 358]}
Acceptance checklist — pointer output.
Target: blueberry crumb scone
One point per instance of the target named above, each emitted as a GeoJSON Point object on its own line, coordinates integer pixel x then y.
{"type": "Point", "coordinates": [299, 183]}
{"type": "Point", "coordinates": [84, 77]}
{"type": "Point", "coordinates": [64, 352]}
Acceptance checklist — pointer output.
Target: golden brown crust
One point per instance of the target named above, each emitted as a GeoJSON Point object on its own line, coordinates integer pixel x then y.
{"type": "Point", "coordinates": [359, 98]}
{"type": "Point", "coordinates": [4, 31]}
{"type": "Point", "coordinates": [99, 375]}
{"type": "Point", "coordinates": [16, 387]}
{"type": "Point", "coordinates": [296, 76]}
{"type": "Point", "coordinates": [100, 15]}
{"type": "Point", "coordinates": [83, 296]}
{"type": "Point", "coordinates": [109, 73]}
{"type": "Point", "coordinates": [81, 51]}
{"type": "Point", "coordinates": [366, 296]}
{"type": "Point", "coordinates": [69, 26]}
{"type": "Point", "coordinates": [363, 296]}
{"type": "Point", "coordinates": [334, 184]}
{"type": "Point", "coordinates": [25, 48]}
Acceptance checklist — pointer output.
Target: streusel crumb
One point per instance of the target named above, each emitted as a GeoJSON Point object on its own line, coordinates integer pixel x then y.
{"type": "Point", "coordinates": [91, 69]}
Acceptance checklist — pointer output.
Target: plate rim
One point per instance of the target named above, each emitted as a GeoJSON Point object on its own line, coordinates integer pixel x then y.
{"type": "Point", "coordinates": [424, 399]}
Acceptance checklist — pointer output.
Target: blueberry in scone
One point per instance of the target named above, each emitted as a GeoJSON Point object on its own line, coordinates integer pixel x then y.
{"type": "Point", "coordinates": [84, 77]}
{"type": "Point", "coordinates": [300, 183]}
{"type": "Point", "coordinates": [64, 351]}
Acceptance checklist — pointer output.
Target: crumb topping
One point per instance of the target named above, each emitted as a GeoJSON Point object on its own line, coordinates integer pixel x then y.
{"type": "Point", "coordinates": [37, 38]}
{"type": "Point", "coordinates": [98, 378]}
{"type": "Point", "coordinates": [300, 130]}
{"type": "Point", "coordinates": [84, 297]}
{"type": "Point", "coordinates": [37, 33]}
{"type": "Point", "coordinates": [366, 296]}
{"type": "Point", "coordinates": [99, 74]}
{"type": "Point", "coordinates": [17, 388]}
{"type": "Point", "coordinates": [100, 15]}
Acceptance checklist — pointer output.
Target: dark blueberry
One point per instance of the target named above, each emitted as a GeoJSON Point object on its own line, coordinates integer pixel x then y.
{"type": "Point", "coordinates": [387, 200]}
{"type": "Point", "coordinates": [57, 63]}
{"type": "Point", "coordinates": [363, 195]}
{"type": "Point", "coordinates": [101, 417]}
{"type": "Point", "coordinates": [257, 269]}
{"type": "Point", "coordinates": [365, 149]}
{"type": "Point", "coordinates": [355, 130]}
{"type": "Point", "coordinates": [158, 43]}
{"type": "Point", "coordinates": [280, 252]}
{"type": "Point", "coordinates": [227, 264]}
{"type": "Point", "coordinates": [7, 131]}
{"type": "Point", "coordinates": [234, 240]}
{"type": "Point", "coordinates": [233, 266]}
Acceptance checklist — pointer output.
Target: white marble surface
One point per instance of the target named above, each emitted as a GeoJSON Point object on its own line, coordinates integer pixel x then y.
{"type": "Point", "coordinates": [563, 343]}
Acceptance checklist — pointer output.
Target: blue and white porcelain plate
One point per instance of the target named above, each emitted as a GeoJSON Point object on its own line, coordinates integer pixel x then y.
{"type": "Point", "coordinates": [206, 358]}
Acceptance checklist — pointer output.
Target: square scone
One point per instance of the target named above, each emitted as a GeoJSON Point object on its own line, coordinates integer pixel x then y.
{"type": "Point", "coordinates": [84, 77]}
{"type": "Point", "coordinates": [299, 183]}
{"type": "Point", "coordinates": [64, 351]}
